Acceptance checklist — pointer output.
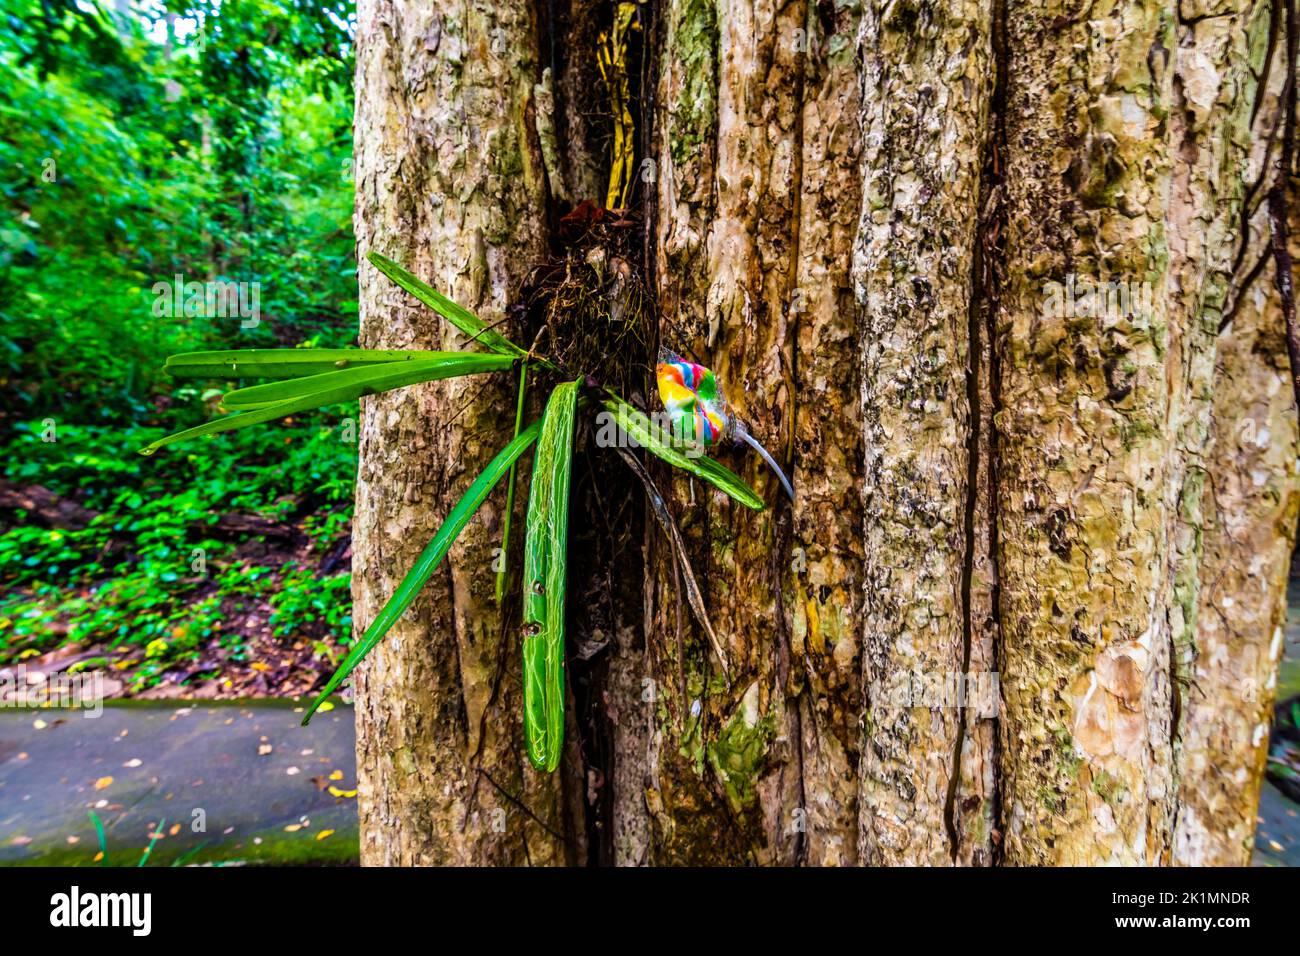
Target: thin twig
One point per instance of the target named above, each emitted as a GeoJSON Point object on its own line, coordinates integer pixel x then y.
{"type": "Point", "coordinates": [694, 596]}
{"type": "Point", "coordinates": [510, 487]}
{"type": "Point", "coordinates": [534, 817]}
{"type": "Point", "coordinates": [1277, 214]}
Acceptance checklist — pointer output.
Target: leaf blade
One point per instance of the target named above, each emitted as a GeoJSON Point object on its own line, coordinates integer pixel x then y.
{"type": "Point", "coordinates": [381, 377]}
{"type": "Point", "coordinates": [279, 363]}
{"type": "Point", "coordinates": [331, 395]}
{"type": "Point", "coordinates": [642, 431]}
{"type": "Point", "coordinates": [457, 315]}
{"type": "Point", "coordinates": [428, 560]}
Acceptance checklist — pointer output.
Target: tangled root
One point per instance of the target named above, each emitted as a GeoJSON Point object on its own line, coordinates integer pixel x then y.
{"type": "Point", "coordinates": [594, 305]}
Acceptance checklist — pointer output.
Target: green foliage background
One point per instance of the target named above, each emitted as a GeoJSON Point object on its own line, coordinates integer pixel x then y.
{"type": "Point", "coordinates": [212, 141]}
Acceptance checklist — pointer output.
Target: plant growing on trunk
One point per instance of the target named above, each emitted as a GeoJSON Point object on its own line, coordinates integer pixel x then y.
{"type": "Point", "coordinates": [304, 379]}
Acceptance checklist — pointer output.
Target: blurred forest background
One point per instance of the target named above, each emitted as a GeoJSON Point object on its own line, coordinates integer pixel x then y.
{"type": "Point", "coordinates": [139, 142]}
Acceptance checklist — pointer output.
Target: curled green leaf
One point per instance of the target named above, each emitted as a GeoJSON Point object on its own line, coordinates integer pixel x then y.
{"type": "Point", "coordinates": [545, 565]}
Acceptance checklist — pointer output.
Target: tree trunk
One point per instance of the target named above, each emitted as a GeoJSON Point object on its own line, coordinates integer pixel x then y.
{"type": "Point", "coordinates": [449, 182]}
{"type": "Point", "coordinates": [1248, 527]}
{"type": "Point", "coordinates": [760, 102]}
{"type": "Point", "coordinates": [1038, 549]}
{"type": "Point", "coordinates": [915, 259]}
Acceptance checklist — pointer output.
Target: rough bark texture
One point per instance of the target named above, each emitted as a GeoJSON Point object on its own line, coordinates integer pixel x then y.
{"type": "Point", "coordinates": [728, 761]}
{"type": "Point", "coordinates": [448, 182]}
{"type": "Point", "coordinates": [1250, 514]}
{"type": "Point", "coordinates": [1235, 497]}
{"type": "Point", "coordinates": [1086, 745]}
{"type": "Point", "coordinates": [757, 208]}
{"type": "Point", "coordinates": [926, 72]}
{"type": "Point", "coordinates": [1215, 65]}
{"type": "Point", "coordinates": [874, 221]}
{"type": "Point", "coordinates": [824, 579]}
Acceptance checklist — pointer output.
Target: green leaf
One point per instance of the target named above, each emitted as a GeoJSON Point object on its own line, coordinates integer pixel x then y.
{"type": "Point", "coordinates": [510, 486]}
{"type": "Point", "coordinates": [462, 318]}
{"type": "Point", "coordinates": [378, 377]}
{"type": "Point", "coordinates": [154, 838]}
{"type": "Point", "coordinates": [100, 835]}
{"type": "Point", "coordinates": [405, 374]}
{"type": "Point", "coordinates": [654, 440]}
{"type": "Point", "coordinates": [545, 561]}
{"type": "Point", "coordinates": [429, 559]}
{"type": "Point", "coordinates": [280, 363]}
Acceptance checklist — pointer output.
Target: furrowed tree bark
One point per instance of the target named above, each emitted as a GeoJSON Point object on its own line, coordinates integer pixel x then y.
{"type": "Point", "coordinates": [757, 208]}
{"type": "Point", "coordinates": [926, 89]}
{"type": "Point", "coordinates": [1215, 63]}
{"type": "Point", "coordinates": [1026, 606]}
{"type": "Point", "coordinates": [728, 786]}
{"type": "Point", "coordinates": [448, 182]}
{"type": "Point", "coordinates": [1087, 769]}
{"type": "Point", "coordinates": [1248, 512]}
{"type": "Point", "coordinates": [824, 579]}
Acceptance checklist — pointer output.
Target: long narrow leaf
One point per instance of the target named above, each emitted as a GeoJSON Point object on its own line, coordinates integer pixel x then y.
{"type": "Point", "coordinates": [280, 363]}
{"type": "Point", "coordinates": [381, 377]}
{"type": "Point", "coordinates": [462, 318]}
{"type": "Point", "coordinates": [100, 835]}
{"type": "Point", "coordinates": [510, 489]}
{"type": "Point", "coordinates": [405, 374]}
{"type": "Point", "coordinates": [429, 559]}
{"type": "Point", "coordinates": [545, 560]}
{"type": "Point", "coordinates": [153, 838]}
{"type": "Point", "coordinates": [641, 430]}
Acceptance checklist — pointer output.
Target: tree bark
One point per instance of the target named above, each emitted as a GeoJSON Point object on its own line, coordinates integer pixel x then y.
{"type": "Point", "coordinates": [914, 263]}
{"type": "Point", "coordinates": [1037, 550]}
{"type": "Point", "coordinates": [1249, 525]}
{"type": "Point", "coordinates": [1247, 514]}
{"type": "Point", "coordinates": [730, 159]}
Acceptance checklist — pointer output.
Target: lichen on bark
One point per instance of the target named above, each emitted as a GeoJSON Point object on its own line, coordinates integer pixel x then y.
{"type": "Point", "coordinates": [924, 130]}
{"type": "Point", "coordinates": [1085, 675]}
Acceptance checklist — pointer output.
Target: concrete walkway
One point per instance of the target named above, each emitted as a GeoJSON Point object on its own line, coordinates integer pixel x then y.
{"type": "Point", "coordinates": [230, 783]}
{"type": "Point", "coordinates": [238, 783]}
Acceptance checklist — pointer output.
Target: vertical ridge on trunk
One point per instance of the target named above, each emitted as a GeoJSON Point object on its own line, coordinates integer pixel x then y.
{"type": "Point", "coordinates": [753, 266]}
{"type": "Point", "coordinates": [1217, 64]}
{"type": "Point", "coordinates": [1086, 749]}
{"type": "Point", "coordinates": [731, 156]}
{"type": "Point", "coordinates": [824, 580]}
{"type": "Point", "coordinates": [1249, 521]}
{"type": "Point", "coordinates": [687, 138]}
{"type": "Point", "coordinates": [1249, 506]}
{"type": "Point", "coordinates": [974, 798]}
{"type": "Point", "coordinates": [923, 129]}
